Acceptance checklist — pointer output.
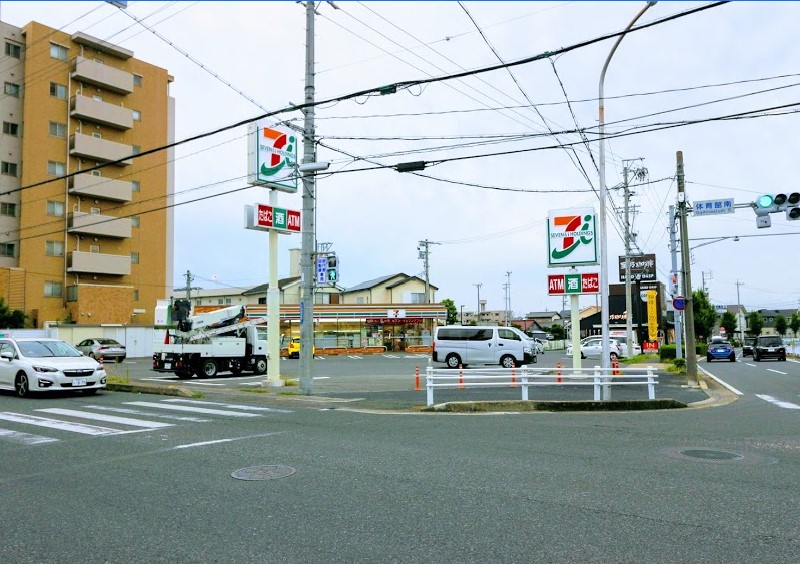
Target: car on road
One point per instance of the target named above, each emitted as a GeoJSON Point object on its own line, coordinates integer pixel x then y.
{"type": "Point", "coordinates": [537, 344]}
{"type": "Point", "coordinates": [720, 349]}
{"type": "Point", "coordinates": [769, 346]}
{"type": "Point", "coordinates": [102, 349]}
{"type": "Point", "coordinates": [592, 347]}
{"type": "Point", "coordinates": [747, 346]}
{"type": "Point", "coordinates": [30, 365]}
{"type": "Point", "coordinates": [294, 348]}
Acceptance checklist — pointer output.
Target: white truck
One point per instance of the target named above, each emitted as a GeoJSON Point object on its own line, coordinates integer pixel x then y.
{"type": "Point", "coordinates": [208, 343]}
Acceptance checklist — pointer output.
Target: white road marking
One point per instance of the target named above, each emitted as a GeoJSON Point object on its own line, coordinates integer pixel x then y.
{"type": "Point", "coordinates": [204, 384]}
{"type": "Point", "coordinates": [191, 409]}
{"type": "Point", "coordinates": [148, 414]}
{"type": "Point", "coordinates": [26, 439]}
{"type": "Point", "coordinates": [107, 418]}
{"type": "Point", "coordinates": [57, 424]}
{"type": "Point", "coordinates": [748, 364]}
{"type": "Point", "coordinates": [710, 375]}
{"type": "Point", "coordinates": [321, 378]}
{"type": "Point", "coordinates": [777, 371]}
{"type": "Point", "coordinates": [206, 443]}
{"type": "Point", "coordinates": [779, 403]}
{"type": "Point", "coordinates": [231, 405]}
{"type": "Point", "coordinates": [355, 356]}
{"type": "Point", "coordinates": [390, 356]}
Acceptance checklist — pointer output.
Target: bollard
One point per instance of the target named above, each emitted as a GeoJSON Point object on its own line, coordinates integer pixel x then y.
{"type": "Point", "coordinates": [558, 366]}
{"type": "Point", "coordinates": [615, 366]}
{"type": "Point", "coordinates": [416, 379]}
{"type": "Point", "coordinates": [513, 378]}
{"type": "Point", "coordinates": [460, 378]}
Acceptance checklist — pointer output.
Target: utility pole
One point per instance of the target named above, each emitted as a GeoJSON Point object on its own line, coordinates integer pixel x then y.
{"type": "Point", "coordinates": [691, 353]}
{"type": "Point", "coordinates": [628, 301]}
{"type": "Point", "coordinates": [673, 247]}
{"type": "Point", "coordinates": [507, 287]}
{"type": "Point", "coordinates": [308, 242]}
{"type": "Point", "coordinates": [189, 280]}
{"type": "Point", "coordinates": [423, 254]}
{"type": "Point", "coordinates": [478, 286]}
{"type": "Point", "coordinates": [739, 314]}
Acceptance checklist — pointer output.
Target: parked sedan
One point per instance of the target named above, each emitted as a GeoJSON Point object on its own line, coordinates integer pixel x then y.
{"type": "Point", "coordinates": [102, 349]}
{"type": "Point", "coordinates": [719, 349]}
{"type": "Point", "coordinates": [592, 347]}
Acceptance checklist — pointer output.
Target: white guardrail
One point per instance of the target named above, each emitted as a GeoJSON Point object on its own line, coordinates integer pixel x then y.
{"type": "Point", "coordinates": [527, 376]}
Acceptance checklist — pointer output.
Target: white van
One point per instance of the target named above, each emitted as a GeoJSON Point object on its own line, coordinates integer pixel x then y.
{"type": "Point", "coordinates": [456, 345]}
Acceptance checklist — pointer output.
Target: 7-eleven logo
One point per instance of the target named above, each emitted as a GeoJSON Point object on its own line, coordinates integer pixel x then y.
{"type": "Point", "coordinates": [280, 148]}
{"type": "Point", "coordinates": [571, 235]}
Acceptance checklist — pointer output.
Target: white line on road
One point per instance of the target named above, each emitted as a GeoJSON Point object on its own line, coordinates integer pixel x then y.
{"type": "Point", "coordinates": [777, 371]}
{"type": "Point", "coordinates": [779, 403]}
{"type": "Point", "coordinates": [204, 384]}
{"type": "Point", "coordinates": [148, 413]}
{"type": "Point", "coordinates": [26, 439]}
{"type": "Point", "coordinates": [748, 364]}
{"type": "Point", "coordinates": [57, 424]}
{"type": "Point", "coordinates": [191, 409]}
{"type": "Point", "coordinates": [355, 356]}
{"type": "Point", "coordinates": [231, 405]}
{"type": "Point", "coordinates": [158, 379]}
{"type": "Point", "coordinates": [321, 378]}
{"type": "Point", "coordinates": [206, 443]}
{"type": "Point", "coordinates": [710, 375]}
{"type": "Point", "coordinates": [390, 356]}
{"type": "Point", "coordinates": [106, 418]}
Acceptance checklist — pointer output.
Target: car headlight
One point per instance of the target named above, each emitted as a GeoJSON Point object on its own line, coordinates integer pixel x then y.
{"type": "Point", "coordinates": [527, 350]}
{"type": "Point", "coordinates": [44, 369]}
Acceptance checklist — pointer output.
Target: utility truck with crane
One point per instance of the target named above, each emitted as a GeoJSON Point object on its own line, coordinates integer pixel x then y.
{"type": "Point", "coordinates": [208, 343]}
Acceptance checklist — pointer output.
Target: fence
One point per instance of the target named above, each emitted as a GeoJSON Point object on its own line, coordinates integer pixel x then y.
{"type": "Point", "coordinates": [526, 377]}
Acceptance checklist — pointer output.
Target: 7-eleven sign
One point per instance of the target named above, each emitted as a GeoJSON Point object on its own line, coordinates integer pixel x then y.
{"type": "Point", "coordinates": [572, 237]}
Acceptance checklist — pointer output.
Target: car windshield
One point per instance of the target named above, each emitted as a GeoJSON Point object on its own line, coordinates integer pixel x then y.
{"type": "Point", "coordinates": [749, 340]}
{"type": "Point", "coordinates": [770, 341]}
{"type": "Point", "coordinates": [43, 349]}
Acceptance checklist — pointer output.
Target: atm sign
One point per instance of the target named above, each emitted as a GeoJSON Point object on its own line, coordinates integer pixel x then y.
{"type": "Point", "coordinates": [584, 283]}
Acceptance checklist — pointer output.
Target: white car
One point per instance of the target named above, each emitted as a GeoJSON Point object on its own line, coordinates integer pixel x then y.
{"type": "Point", "coordinates": [592, 347]}
{"type": "Point", "coordinates": [537, 345]}
{"type": "Point", "coordinates": [36, 365]}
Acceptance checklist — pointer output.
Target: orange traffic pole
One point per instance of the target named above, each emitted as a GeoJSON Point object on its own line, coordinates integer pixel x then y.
{"type": "Point", "coordinates": [460, 378]}
{"type": "Point", "coordinates": [513, 378]}
{"type": "Point", "coordinates": [558, 365]}
{"type": "Point", "coordinates": [416, 379]}
{"type": "Point", "coordinates": [615, 366]}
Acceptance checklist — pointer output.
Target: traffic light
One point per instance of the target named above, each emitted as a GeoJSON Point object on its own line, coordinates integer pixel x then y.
{"type": "Point", "coordinates": [333, 271]}
{"type": "Point", "coordinates": [793, 206]}
{"type": "Point", "coordinates": [771, 203]}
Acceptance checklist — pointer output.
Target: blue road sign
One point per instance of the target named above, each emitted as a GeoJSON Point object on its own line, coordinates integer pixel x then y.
{"type": "Point", "coordinates": [679, 303]}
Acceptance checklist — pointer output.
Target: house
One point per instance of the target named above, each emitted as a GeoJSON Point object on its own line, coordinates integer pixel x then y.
{"type": "Point", "coordinates": [397, 288]}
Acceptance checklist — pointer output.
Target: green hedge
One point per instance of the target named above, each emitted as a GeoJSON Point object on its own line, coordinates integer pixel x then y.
{"type": "Point", "coordinates": [667, 352]}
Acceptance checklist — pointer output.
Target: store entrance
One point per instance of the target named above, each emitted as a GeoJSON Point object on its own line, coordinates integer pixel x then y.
{"type": "Point", "coordinates": [394, 338]}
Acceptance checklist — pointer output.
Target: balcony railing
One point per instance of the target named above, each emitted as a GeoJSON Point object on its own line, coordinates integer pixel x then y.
{"type": "Point", "coordinates": [99, 150]}
{"type": "Point", "coordinates": [98, 225]}
{"type": "Point", "coordinates": [93, 186]}
{"type": "Point", "coordinates": [102, 75]}
{"type": "Point", "coordinates": [98, 263]}
{"type": "Point", "coordinates": [97, 111]}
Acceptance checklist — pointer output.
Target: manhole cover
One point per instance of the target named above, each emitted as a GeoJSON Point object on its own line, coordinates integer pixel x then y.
{"type": "Point", "coordinates": [268, 472]}
{"type": "Point", "coordinates": [711, 454]}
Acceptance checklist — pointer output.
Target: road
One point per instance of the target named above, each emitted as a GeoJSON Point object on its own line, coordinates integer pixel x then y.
{"type": "Point", "coordinates": [155, 482]}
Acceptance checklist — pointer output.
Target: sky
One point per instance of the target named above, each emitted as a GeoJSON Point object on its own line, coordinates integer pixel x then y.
{"type": "Point", "coordinates": [510, 139]}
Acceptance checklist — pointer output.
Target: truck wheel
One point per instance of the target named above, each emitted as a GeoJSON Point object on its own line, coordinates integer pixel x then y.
{"type": "Point", "coordinates": [260, 366]}
{"type": "Point", "coordinates": [209, 368]}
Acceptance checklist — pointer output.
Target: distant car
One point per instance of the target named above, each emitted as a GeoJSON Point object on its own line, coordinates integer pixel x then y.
{"type": "Point", "coordinates": [720, 349]}
{"type": "Point", "coordinates": [30, 365]}
{"type": "Point", "coordinates": [769, 346]}
{"type": "Point", "coordinates": [537, 344]}
{"type": "Point", "coordinates": [592, 347]}
{"type": "Point", "coordinates": [294, 348]}
{"type": "Point", "coordinates": [747, 346]}
{"type": "Point", "coordinates": [102, 349]}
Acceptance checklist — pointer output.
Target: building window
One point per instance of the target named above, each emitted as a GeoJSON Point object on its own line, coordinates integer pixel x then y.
{"type": "Point", "coordinates": [7, 249]}
{"type": "Point", "coordinates": [97, 173]}
{"type": "Point", "coordinates": [13, 50]}
{"type": "Point", "coordinates": [262, 301]}
{"type": "Point", "coordinates": [52, 289]}
{"type": "Point", "coordinates": [58, 52]}
{"type": "Point", "coordinates": [97, 135]}
{"type": "Point", "coordinates": [135, 186]}
{"type": "Point", "coordinates": [137, 115]}
{"type": "Point", "coordinates": [12, 89]}
{"type": "Point", "coordinates": [9, 169]}
{"type": "Point", "coordinates": [54, 248]}
{"type": "Point", "coordinates": [94, 249]}
{"type": "Point", "coordinates": [135, 222]}
{"type": "Point", "coordinates": [227, 301]}
{"type": "Point", "coordinates": [55, 208]}
{"type": "Point", "coordinates": [11, 128]}
{"type": "Point", "coordinates": [219, 301]}
{"type": "Point", "coordinates": [7, 208]}
{"type": "Point", "coordinates": [58, 129]}
{"type": "Point", "coordinates": [134, 257]}
{"type": "Point", "coordinates": [137, 80]}
{"type": "Point", "coordinates": [58, 90]}
{"type": "Point", "coordinates": [53, 167]}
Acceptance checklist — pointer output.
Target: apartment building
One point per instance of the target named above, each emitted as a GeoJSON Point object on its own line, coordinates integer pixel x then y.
{"type": "Point", "coordinates": [85, 231]}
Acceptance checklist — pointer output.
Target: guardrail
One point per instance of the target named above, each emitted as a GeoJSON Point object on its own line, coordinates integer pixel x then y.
{"type": "Point", "coordinates": [526, 376]}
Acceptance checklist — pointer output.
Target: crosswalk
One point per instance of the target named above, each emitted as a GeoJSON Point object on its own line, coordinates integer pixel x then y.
{"type": "Point", "coordinates": [51, 424]}
{"type": "Point", "coordinates": [778, 402]}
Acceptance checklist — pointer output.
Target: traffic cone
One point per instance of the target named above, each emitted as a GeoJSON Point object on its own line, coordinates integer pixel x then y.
{"type": "Point", "coordinates": [166, 338]}
{"type": "Point", "coordinates": [460, 378]}
{"type": "Point", "coordinates": [513, 378]}
{"type": "Point", "coordinates": [416, 379]}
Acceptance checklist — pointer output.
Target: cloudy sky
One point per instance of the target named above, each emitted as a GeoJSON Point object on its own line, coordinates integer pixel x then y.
{"type": "Point", "coordinates": [507, 138]}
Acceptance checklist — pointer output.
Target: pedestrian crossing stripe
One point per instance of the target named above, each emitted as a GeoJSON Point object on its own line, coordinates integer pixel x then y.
{"type": "Point", "coordinates": [57, 424]}
{"type": "Point", "coordinates": [26, 439]}
{"type": "Point", "coordinates": [190, 409]}
{"type": "Point", "coordinates": [229, 405]}
{"type": "Point", "coordinates": [107, 418]}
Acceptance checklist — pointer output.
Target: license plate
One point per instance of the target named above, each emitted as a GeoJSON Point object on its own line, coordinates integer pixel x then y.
{"type": "Point", "coordinates": [78, 382]}
{"type": "Point", "coordinates": [770, 349]}
{"type": "Point", "coordinates": [167, 365]}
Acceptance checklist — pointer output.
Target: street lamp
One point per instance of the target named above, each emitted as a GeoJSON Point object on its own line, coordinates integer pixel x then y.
{"type": "Point", "coordinates": [478, 286]}
{"type": "Point", "coordinates": [606, 354]}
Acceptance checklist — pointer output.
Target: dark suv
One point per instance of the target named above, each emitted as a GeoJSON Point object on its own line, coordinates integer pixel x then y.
{"type": "Point", "coordinates": [747, 346]}
{"type": "Point", "coordinates": [769, 346]}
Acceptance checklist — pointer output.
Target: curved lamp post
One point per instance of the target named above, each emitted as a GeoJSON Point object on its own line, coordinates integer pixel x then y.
{"type": "Point", "coordinates": [605, 357]}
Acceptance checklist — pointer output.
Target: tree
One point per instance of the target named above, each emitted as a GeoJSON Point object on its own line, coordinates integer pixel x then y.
{"type": "Point", "coordinates": [794, 323]}
{"type": "Point", "coordinates": [781, 325]}
{"type": "Point", "coordinates": [11, 319]}
{"type": "Point", "coordinates": [557, 331]}
{"type": "Point", "coordinates": [728, 321]}
{"type": "Point", "coordinates": [755, 323]}
{"type": "Point", "coordinates": [704, 315]}
{"type": "Point", "coordinates": [452, 312]}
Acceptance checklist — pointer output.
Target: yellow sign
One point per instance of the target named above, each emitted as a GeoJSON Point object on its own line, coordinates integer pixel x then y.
{"type": "Point", "coordinates": [652, 317]}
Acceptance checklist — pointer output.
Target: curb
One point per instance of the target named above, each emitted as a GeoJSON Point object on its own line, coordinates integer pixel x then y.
{"type": "Point", "coordinates": [144, 389]}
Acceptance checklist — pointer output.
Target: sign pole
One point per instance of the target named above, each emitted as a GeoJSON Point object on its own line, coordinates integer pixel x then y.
{"type": "Point", "coordinates": [273, 307]}
{"type": "Point", "coordinates": [575, 323]}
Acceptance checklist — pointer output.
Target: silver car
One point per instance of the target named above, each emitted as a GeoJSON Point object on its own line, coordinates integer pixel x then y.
{"type": "Point", "coordinates": [592, 347]}
{"type": "Point", "coordinates": [102, 349]}
{"type": "Point", "coordinates": [38, 365]}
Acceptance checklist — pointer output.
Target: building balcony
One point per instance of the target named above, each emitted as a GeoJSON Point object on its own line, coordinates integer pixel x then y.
{"type": "Point", "coordinates": [97, 111]}
{"type": "Point", "coordinates": [98, 74]}
{"type": "Point", "coordinates": [96, 225]}
{"type": "Point", "coordinates": [98, 263]}
{"type": "Point", "coordinates": [92, 186]}
{"type": "Point", "coordinates": [99, 150]}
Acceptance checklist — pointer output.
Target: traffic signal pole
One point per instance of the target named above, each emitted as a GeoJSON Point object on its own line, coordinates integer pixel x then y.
{"type": "Point", "coordinates": [691, 352]}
